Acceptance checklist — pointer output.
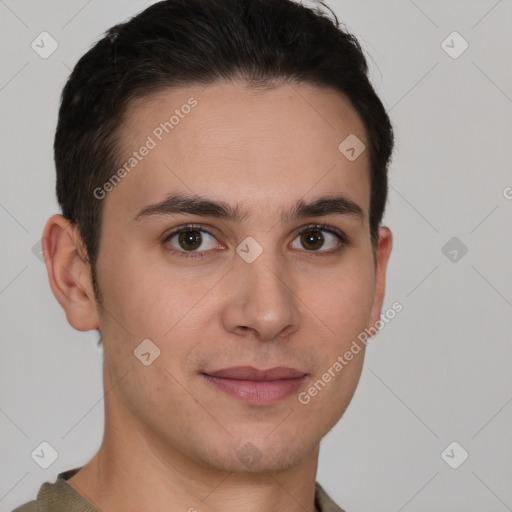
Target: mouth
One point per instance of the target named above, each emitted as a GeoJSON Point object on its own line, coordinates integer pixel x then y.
{"type": "Point", "coordinates": [257, 387]}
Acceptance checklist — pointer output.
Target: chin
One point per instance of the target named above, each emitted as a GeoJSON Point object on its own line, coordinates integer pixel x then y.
{"type": "Point", "coordinates": [258, 454]}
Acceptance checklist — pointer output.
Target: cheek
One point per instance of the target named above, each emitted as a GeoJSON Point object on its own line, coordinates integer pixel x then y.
{"type": "Point", "coordinates": [137, 289]}
{"type": "Point", "coordinates": [152, 300]}
{"type": "Point", "coordinates": [345, 300]}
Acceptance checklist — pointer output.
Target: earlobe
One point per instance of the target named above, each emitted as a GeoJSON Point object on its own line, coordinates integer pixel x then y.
{"type": "Point", "coordinates": [69, 273]}
{"type": "Point", "coordinates": [383, 253]}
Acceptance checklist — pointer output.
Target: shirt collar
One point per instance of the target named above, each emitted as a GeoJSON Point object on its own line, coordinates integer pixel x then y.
{"type": "Point", "coordinates": [61, 497]}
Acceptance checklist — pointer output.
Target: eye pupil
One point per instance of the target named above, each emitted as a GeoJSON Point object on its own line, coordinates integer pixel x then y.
{"type": "Point", "coordinates": [188, 237]}
{"type": "Point", "coordinates": [310, 237]}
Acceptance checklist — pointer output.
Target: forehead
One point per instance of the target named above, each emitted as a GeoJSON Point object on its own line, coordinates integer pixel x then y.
{"type": "Point", "coordinates": [266, 148]}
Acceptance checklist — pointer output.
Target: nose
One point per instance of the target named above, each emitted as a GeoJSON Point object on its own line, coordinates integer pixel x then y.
{"type": "Point", "coordinates": [261, 301]}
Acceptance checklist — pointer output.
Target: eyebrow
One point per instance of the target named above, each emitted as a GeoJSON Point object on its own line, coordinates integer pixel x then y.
{"type": "Point", "coordinates": [180, 203]}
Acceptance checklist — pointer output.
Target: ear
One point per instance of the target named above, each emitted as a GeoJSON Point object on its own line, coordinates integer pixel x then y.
{"type": "Point", "coordinates": [69, 273]}
{"type": "Point", "coordinates": [382, 256]}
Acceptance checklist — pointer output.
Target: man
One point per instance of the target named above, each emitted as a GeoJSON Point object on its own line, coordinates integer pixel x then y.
{"type": "Point", "coordinates": [222, 173]}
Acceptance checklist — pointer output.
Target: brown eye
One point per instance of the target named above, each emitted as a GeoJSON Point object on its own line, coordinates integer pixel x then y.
{"type": "Point", "coordinates": [190, 239]}
{"type": "Point", "coordinates": [312, 239]}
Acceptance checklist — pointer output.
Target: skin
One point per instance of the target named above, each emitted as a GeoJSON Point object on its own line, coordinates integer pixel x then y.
{"type": "Point", "coordinates": [171, 439]}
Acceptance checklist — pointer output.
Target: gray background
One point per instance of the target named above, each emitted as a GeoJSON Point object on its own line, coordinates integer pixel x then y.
{"type": "Point", "coordinates": [437, 373]}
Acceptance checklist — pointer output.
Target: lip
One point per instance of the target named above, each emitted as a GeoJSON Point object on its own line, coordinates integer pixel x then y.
{"type": "Point", "coordinates": [253, 374]}
{"type": "Point", "coordinates": [254, 386]}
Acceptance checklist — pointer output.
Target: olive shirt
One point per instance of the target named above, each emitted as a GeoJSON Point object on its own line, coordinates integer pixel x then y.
{"type": "Point", "coordinates": [61, 497]}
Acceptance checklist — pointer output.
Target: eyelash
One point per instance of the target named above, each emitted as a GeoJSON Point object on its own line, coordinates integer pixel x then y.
{"type": "Point", "coordinates": [344, 241]}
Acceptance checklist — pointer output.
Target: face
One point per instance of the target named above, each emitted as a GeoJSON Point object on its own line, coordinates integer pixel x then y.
{"type": "Point", "coordinates": [265, 289]}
